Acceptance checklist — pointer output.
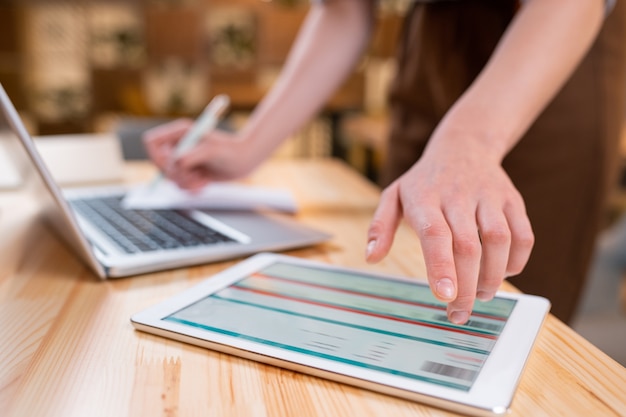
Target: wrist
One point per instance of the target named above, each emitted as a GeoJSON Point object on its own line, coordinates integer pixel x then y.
{"type": "Point", "coordinates": [252, 149]}
{"type": "Point", "coordinates": [473, 133]}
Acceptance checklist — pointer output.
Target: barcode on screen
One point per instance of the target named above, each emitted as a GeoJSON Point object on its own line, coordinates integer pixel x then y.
{"type": "Point", "coordinates": [449, 370]}
{"type": "Point", "coordinates": [491, 327]}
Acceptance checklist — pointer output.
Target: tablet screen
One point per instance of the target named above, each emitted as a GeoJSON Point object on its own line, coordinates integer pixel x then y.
{"type": "Point", "coordinates": [391, 326]}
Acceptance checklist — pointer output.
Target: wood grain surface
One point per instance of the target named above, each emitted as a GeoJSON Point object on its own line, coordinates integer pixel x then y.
{"type": "Point", "coordinates": [67, 347]}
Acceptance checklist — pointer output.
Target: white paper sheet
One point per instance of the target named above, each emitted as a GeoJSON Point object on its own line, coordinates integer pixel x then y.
{"type": "Point", "coordinates": [222, 195]}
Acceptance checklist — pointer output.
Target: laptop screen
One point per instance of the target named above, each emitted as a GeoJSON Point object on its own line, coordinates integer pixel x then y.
{"type": "Point", "coordinates": [35, 178]}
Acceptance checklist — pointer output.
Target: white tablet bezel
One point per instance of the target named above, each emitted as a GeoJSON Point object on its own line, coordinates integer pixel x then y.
{"type": "Point", "coordinates": [490, 394]}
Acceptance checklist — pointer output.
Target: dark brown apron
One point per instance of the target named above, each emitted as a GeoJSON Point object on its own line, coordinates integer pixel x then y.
{"type": "Point", "coordinates": [564, 166]}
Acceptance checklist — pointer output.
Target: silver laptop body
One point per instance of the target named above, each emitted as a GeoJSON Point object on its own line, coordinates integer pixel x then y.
{"type": "Point", "coordinates": [199, 236]}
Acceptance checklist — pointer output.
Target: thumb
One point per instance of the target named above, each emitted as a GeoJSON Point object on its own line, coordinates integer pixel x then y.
{"type": "Point", "coordinates": [384, 224]}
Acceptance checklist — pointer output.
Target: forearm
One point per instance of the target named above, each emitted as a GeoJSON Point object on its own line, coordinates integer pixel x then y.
{"type": "Point", "coordinates": [325, 52]}
{"type": "Point", "coordinates": [537, 54]}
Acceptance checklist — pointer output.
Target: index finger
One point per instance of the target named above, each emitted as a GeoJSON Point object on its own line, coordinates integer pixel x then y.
{"type": "Point", "coordinates": [436, 241]}
{"type": "Point", "coordinates": [467, 252]}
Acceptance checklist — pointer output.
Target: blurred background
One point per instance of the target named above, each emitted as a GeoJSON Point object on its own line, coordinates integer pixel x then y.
{"type": "Point", "coordinates": [122, 66]}
{"type": "Point", "coordinates": [117, 65]}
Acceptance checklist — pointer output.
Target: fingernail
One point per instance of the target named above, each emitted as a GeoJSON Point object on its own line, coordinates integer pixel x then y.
{"type": "Point", "coordinates": [484, 295]}
{"type": "Point", "coordinates": [459, 317]}
{"type": "Point", "coordinates": [371, 245]}
{"type": "Point", "coordinates": [445, 288]}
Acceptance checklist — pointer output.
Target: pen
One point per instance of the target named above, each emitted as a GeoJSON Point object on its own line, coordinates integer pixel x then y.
{"type": "Point", "coordinates": [206, 122]}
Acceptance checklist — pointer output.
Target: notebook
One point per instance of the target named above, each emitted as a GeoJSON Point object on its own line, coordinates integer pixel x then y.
{"type": "Point", "coordinates": [118, 242]}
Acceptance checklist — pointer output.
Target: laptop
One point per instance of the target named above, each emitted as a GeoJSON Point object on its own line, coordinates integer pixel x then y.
{"type": "Point", "coordinates": [115, 242]}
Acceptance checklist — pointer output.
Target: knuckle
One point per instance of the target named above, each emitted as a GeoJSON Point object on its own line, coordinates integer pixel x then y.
{"type": "Point", "coordinates": [438, 267]}
{"type": "Point", "coordinates": [376, 227]}
{"type": "Point", "coordinates": [430, 231]}
{"type": "Point", "coordinates": [499, 235]}
{"type": "Point", "coordinates": [466, 246]}
{"type": "Point", "coordinates": [525, 240]}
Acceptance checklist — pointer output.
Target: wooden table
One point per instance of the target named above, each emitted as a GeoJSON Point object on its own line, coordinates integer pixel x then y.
{"type": "Point", "coordinates": [67, 347]}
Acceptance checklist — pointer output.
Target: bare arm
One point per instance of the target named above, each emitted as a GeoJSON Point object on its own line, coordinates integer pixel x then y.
{"type": "Point", "coordinates": [325, 52]}
{"type": "Point", "coordinates": [458, 187]}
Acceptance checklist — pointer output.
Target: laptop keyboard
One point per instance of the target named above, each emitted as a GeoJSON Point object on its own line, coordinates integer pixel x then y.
{"type": "Point", "coordinates": [146, 230]}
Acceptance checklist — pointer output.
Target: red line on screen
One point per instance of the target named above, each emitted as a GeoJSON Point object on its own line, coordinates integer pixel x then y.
{"type": "Point", "coordinates": [366, 313]}
{"type": "Point", "coordinates": [370, 295]}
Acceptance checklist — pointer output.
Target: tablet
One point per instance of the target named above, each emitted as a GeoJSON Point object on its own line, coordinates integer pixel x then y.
{"type": "Point", "coordinates": [386, 334]}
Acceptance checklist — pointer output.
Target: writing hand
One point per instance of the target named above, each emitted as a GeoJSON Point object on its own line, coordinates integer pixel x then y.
{"type": "Point", "coordinates": [219, 156]}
